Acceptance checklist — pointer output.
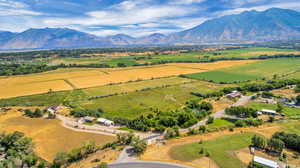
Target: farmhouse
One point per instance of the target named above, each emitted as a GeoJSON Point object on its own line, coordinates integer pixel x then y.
{"type": "Point", "coordinates": [234, 94]}
{"type": "Point", "coordinates": [88, 119]}
{"type": "Point", "coordinates": [53, 109]}
{"type": "Point", "coordinates": [104, 121]}
{"type": "Point", "coordinates": [266, 162]}
{"type": "Point", "coordinates": [268, 112]}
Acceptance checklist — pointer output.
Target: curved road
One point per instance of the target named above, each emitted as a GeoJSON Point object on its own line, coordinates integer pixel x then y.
{"type": "Point", "coordinates": [146, 165]}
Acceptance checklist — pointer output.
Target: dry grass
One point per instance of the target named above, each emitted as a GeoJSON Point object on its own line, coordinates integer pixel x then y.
{"type": "Point", "coordinates": [48, 135]}
{"type": "Point", "coordinates": [107, 156]}
{"type": "Point", "coordinates": [163, 150]}
{"type": "Point", "coordinates": [67, 79]}
{"type": "Point", "coordinates": [286, 92]}
{"type": "Point", "coordinates": [269, 53]}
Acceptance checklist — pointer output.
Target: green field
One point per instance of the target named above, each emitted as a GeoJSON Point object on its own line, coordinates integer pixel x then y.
{"type": "Point", "coordinates": [288, 111]}
{"type": "Point", "coordinates": [133, 99]}
{"type": "Point", "coordinates": [197, 56]}
{"type": "Point", "coordinates": [291, 127]}
{"type": "Point", "coordinates": [133, 104]}
{"type": "Point", "coordinates": [252, 71]}
{"type": "Point", "coordinates": [219, 123]}
{"type": "Point", "coordinates": [219, 150]}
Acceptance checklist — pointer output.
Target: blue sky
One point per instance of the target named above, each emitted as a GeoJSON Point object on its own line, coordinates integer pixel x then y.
{"type": "Point", "coordinates": [132, 17]}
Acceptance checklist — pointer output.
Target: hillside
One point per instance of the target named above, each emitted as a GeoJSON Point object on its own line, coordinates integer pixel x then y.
{"type": "Point", "coordinates": [272, 24]}
{"type": "Point", "coordinates": [249, 26]}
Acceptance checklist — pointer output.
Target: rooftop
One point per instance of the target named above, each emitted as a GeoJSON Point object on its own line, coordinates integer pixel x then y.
{"type": "Point", "coordinates": [266, 162]}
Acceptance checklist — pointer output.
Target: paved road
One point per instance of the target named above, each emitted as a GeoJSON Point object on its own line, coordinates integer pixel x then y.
{"type": "Point", "coordinates": [146, 165]}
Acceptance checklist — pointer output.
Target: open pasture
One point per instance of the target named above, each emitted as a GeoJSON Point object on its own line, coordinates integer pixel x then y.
{"type": "Point", "coordinates": [220, 150]}
{"type": "Point", "coordinates": [252, 71]}
{"type": "Point", "coordinates": [68, 79]}
{"type": "Point", "coordinates": [48, 135]}
{"type": "Point", "coordinates": [133, 104]}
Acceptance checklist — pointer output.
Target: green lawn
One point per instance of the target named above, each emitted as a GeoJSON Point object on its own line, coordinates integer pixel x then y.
{"type": "Point", "coordinates": [219, 150]}
{"type": "Point", "coordinates": [288, 111]}
{"type": "Point", "coordinates": [220, 123]}
{"type": "Point", "coordinates": [252, 71]}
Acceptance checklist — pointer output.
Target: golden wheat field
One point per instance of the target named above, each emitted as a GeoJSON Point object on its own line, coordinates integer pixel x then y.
{"type": "Point", "coordinates": [270, 53]}
{"type": "Point", "coordinates": [48, 136]}
{"type": "Point", "coordinates": [68, 79]}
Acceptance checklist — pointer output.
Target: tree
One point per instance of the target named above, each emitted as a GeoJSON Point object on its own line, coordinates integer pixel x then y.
{"type": "Point", "coordinates": [202, 129]}
{"type": "Point", "coordinates": [297, 88]}
{"type": "Point", "coordinates": [139, 146]}
{"type": "Point", "coordinates": [276, 145]}
{"type": "Point", "coordinates": [259, 141]}
{"type": "Point", "coordinates": [60, 159]}
{"type": "Point", "coordinates": [210, 120]}
{"type": "Point", "coordinates": [298, 99]}
{"type": "Point", "coordinates": [279, 108]}
{"type": "Point", "coordinates": [102, 165]}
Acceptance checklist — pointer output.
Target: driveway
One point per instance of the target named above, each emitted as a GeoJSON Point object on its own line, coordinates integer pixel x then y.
{"type": "Point", "coordinates": [141, 164]}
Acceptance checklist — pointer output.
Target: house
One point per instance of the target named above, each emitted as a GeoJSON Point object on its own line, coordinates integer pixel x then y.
{"type": "Point", "coordinates": [234, 94]}
{"type": "Point", "coordinates": [267, 112]}
{"type": "Point", "coordinates": [104, 121]}
{"type": "Point", "coordinates": [53, 109]}
{"type": "Point", "coordinates": [266, 162]}
{"type": "Point", "coordinates": [88, 119]}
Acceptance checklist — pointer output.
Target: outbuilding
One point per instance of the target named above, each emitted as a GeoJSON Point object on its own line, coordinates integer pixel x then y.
{"type": "Point", "coordinates": [266, 162]}
{"type": "Point", "coordinates": [89, 119]}
{"type": "Point", "coordinates": [268, 112]}
{"type": "Point", "coordinates": [104, 121]}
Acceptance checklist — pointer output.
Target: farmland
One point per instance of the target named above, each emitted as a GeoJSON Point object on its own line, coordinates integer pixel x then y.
{"type": "Point", "coordinates": [252, 71]}
{"type": "Point", "coordinates": [218, 148]}
{"type": "Point", "coordinates": [49, 136]}
{"type": "Point", "coordinates": [68, 79]}
{"type": "Point", "coordinates": [136, 103]}
{"type": "Point", "coordinates": [131, 59]}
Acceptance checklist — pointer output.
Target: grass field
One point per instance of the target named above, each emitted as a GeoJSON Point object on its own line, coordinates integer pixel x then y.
{"type": "Point", "coordinates": [291, 127]}
{"type": "Point", "coordinates": [220, 150]}
{"type": "Point", "coordinates": [133, 104]}
{"type": "Point", "coordinates": [220, 123]}
{"type": "Point", "coordinates": [48, 135]}
{"type": "Point", "coordinates": [68, 79]}
{"type": "Point", "coordinates": [288, 111]}
{"type": "Point", "coordinates": [251, 71]}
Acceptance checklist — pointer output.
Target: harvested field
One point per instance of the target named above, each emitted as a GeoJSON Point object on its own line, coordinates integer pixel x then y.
{"type": "Point", "coordinates": [68, 79]}
{"type": "Point", "coordinates": [48, 135]}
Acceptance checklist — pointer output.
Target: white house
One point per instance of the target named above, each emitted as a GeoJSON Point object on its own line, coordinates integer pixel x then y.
{"type": "Point", "coordinates": [266, 162]}
{"type": "Point", "coordinates": [268, 112]}
{"type": "Point", "coordinates": [104, 121]}
{"type": "Point", "coordinates": [234, 94]}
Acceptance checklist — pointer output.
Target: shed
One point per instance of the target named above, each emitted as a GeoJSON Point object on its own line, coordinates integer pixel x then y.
{"type": "Point", "coordinates": [266, 162]}
{"type": "Point", "coordinates": [89, 119]}
{"type": "Point", "coordinates": [268, 112]}
{"type": "Point", "coordinates": [105, 121]}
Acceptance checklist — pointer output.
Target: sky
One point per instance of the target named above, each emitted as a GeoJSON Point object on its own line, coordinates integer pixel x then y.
{"type": "Point", "coordinates": [132, 17]}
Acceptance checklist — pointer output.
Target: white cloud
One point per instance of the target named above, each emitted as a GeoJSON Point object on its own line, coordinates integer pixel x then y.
{"type": "Point", "coordinates": [186, 2]}
{"type": "Point", "coordinates": [136, 15]}
{"type": "Point", "coordinates": [12, 4]}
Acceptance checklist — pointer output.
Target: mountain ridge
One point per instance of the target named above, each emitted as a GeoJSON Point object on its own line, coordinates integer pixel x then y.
{"type": "Point", "coordinates": [268, 25]}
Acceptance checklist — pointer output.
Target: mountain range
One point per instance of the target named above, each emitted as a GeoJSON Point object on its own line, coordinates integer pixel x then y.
{"type": "Point", "coordinates": [249, 26]}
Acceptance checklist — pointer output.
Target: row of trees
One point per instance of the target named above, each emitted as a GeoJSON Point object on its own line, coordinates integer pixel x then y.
{"type": "Point", "coordinates": [82, 113]}
{"type": "Point", "coordinates": [241, 111]}
{"type": "Point", "coordinates": [273, 145]}
{"type": "Point", "coordinates": [34, 114]}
